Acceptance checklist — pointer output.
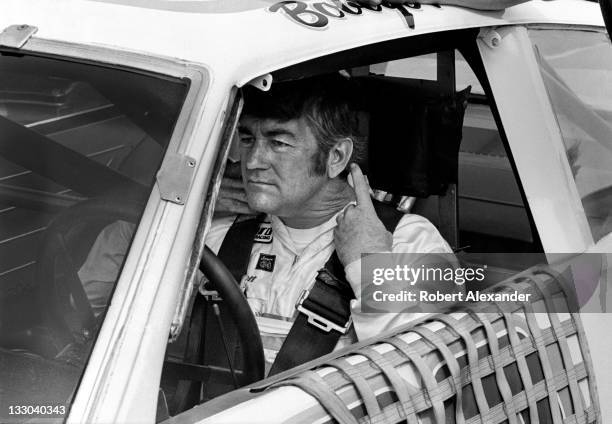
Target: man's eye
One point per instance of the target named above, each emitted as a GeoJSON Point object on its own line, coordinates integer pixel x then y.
{"type": "Point", "coordinates": [278, 143]}
{"type": "Point", "coordinates": [247, 140]}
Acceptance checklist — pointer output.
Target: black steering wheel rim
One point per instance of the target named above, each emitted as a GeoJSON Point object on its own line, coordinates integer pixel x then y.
{"type": "Point", "coordinates": [219, 369]}
{"type": "Point", "coordinates": [221, 279]}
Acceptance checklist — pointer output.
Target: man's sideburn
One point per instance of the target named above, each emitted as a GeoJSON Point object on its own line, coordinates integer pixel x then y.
{"type": "Point", "coordinates": [318, 163]}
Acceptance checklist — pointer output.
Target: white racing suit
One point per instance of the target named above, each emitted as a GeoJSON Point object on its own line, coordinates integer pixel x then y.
{"type": "Point", "coordinates": [277, 273]}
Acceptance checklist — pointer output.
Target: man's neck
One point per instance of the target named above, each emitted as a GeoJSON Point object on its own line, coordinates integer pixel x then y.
{"type": "Point", "coordinates": [328, 202]}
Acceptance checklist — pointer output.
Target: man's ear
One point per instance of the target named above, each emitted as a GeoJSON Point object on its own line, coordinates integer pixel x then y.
{"type": "Point", "coordinates": [339, 156]}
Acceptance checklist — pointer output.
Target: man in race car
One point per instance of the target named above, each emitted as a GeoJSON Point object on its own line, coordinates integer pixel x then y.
{"type": "Point", "coordinates": [300, 145]}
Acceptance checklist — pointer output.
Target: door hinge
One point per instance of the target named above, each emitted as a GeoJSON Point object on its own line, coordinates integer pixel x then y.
{"type": "Point", "coordinates": [174, 177]}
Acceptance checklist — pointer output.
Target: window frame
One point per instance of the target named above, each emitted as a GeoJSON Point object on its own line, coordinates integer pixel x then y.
{"type": "Point", "coordinates": [535, 140]}
{"type": "Point", "coordinates": [111, 363]}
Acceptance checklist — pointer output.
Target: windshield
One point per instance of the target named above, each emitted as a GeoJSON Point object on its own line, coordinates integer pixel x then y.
{"type": "Point", "coordinates": [79, 148]}
{"type": "Point", "coordinates": [576, 67]}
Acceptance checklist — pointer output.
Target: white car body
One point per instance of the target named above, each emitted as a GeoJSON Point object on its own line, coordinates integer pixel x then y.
{"type": "Point", "coordinates": [220, 45]}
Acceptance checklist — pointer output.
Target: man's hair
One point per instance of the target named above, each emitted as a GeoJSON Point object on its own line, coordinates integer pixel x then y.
{"type": "Point", "coordinates": [331, 105]}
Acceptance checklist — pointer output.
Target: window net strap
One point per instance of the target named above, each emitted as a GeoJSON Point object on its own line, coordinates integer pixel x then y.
{"type": "Point", "coordinates": [363, 388]}
{"type": "Point", "coordinates": [431, 389]}
{"type": "Point", "coordinates": [402, 390]}
{"type": "Point", "coordinates": [452, 365]}
{"type": "Point", "coordinates": [473, 362]}
{"type": "Point", "coordinates": [561, 334]}
{"type": "Point", "coordinates": [526, 363]}
{"type": "Point", "coordinates": [523, 368]}
{"type": "Point", "coordinates": [500, 375]}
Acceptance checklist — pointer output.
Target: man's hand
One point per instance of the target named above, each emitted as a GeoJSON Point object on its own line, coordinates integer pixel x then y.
{"type": "Point", "coordinates": [232, 197]}
{"type": "Point", "coordinates": [472, 4]}
{"type": "Point", "coordinates": [359, 230]}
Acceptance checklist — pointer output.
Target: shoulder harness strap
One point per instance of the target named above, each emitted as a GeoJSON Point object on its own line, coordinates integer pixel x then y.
{"type": "Point", "coordinates": [235, 250]}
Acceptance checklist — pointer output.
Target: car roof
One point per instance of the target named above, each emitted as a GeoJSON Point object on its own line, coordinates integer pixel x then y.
{"type": "Point", "coordinates": [245, 39]}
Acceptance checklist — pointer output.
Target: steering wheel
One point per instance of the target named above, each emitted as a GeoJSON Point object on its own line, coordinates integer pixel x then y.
{"type": "Point", "coordinates": [66, 243]}
{"type": "Point", "coordinates": [195, 370]}
{"type": "Point", "coordinates": [242, 315]}
{"type": "Point", "coordinates": [65, 246]}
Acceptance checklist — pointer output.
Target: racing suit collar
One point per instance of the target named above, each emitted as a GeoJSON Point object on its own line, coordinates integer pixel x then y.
{"type": "Point", "coordinates": [325, 235]}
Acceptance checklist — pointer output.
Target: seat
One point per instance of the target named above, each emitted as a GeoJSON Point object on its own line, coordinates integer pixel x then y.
{"type": "Point", "coordinates": [415, 129]}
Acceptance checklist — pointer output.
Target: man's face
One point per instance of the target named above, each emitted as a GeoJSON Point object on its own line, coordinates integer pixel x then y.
{"type": "Point", "coordinates": [277, 160]}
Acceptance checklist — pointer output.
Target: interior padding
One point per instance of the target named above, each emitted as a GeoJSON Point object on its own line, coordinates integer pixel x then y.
{"type": "Point", "coordinates": [415, 130]}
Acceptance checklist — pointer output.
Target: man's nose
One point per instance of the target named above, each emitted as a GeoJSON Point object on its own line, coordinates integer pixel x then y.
{"type": "Point", "coordinates": [256, 157]}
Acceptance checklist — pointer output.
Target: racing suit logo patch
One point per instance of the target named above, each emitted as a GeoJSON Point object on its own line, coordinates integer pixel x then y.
{"type": "Point", "coordinates": [266, 262]}
{"type": "Point", "coordinates": [264, 234]}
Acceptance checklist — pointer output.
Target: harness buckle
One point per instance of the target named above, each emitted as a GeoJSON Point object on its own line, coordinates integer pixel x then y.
{"type": "Point", "coordinates": [317, 320]}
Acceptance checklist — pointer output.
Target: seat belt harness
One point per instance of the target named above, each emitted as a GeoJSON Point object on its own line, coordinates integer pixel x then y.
{"type": "Point", "coordinates": [324, 304]}
{"type": "Point", "coordinates": [324, 310]}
